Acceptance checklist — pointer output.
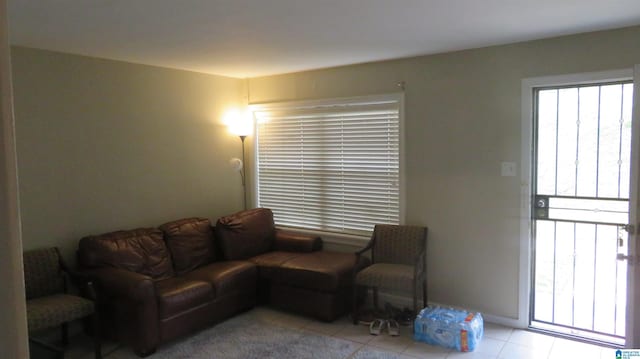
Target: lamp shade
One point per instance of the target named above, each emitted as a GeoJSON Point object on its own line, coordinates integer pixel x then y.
{"type": "Point", "coordinates": [240, 123]}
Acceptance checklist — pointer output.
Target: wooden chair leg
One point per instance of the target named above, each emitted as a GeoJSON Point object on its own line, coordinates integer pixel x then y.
{"type": "Point", "coordinates": [415, 303]}
{"type": "Point", "coordinates": [424, 293]}
{"type": "Point", "coordinates": [97, 338]}
{"type": "Point", "coordinates": [65, 334]}
{"type": "Point", "coordinates": [375, 298]}
{"type": "Point", "coordinates": [354, 305]}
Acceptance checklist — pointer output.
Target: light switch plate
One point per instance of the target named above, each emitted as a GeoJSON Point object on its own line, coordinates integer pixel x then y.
{"type": "Point", "coordinates": [508, 169]}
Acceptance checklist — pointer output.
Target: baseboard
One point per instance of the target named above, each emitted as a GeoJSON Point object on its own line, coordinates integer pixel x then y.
{"type": "Point", "coordinates": [403, 301]}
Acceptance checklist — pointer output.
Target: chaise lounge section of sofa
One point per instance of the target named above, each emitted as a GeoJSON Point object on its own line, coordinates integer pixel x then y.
{"type": "Point", "coordinates": [294, 273]}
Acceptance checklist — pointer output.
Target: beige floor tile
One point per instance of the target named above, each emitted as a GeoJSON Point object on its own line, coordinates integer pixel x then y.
{"type": "Point", "coordinates": [397, 344]}
{"type": "Point", "coordinates": [490, 346]}
{"type": "Point", "coordinates": [426, 355]}
{"type": "Point", "coordinates": [563, 348]}
{"type": "Point", "coordinates": [423, 350]}
{"type": "Point", "coordinates": [533, 340]}
{"type": "Point", "coordinates": [365, 353]}
{"type": "Point", "coordinates": [517, 351]}
{"type": "Point", "coordinates": [470, 355]}
{"type": "Point", "coordinates": [496, 331]}
{"type": "Point", "coordinates": [355, 333]}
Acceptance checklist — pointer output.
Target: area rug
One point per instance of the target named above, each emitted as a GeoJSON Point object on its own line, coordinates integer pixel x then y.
{"type": "Point", "coordinates": [250, 336]}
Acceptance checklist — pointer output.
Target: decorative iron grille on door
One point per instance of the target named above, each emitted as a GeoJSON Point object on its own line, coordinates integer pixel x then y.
{"type": "Point", "coordinates": [580, 208]}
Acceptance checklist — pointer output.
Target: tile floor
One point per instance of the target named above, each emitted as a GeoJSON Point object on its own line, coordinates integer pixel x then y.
{"type": "Point", "coordinates": [498, 342]}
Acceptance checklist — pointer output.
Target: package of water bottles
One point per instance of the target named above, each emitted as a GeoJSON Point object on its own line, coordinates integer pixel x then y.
{"type": "Point", "coordinates": [449, 328]}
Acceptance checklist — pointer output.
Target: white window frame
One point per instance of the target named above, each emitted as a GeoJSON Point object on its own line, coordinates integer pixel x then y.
{"type": "Point", "coordinates": [333, 237]}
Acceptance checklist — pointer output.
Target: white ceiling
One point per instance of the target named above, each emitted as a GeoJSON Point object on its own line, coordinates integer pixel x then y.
{"type": "Point", "coordinates": [248, 38]}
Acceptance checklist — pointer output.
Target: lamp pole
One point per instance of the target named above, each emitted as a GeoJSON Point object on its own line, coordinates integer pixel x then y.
{"type": "Point", "coordinates": [243, 173]}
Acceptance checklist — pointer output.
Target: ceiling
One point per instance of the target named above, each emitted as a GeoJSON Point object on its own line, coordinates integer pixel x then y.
{"type": "Point", "coordinates": [249, 38]}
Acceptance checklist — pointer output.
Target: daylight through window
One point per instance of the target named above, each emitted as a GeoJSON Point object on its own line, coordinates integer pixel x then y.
{"type": "Point", "coordinates": [330, 165]}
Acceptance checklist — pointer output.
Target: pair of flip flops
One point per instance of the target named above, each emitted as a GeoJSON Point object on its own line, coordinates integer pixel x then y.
{"type": "Point", "coordinates": [377, 326]}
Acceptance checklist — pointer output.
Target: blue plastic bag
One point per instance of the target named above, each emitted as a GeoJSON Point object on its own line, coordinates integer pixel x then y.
{"type": "Point", "coordinates": [449, 328]}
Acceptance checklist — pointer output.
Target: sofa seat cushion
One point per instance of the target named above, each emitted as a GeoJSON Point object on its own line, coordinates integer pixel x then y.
{"type": "Point", "coordinates": [397, 277]}
{"type": "Point", "coordinates": [53, 310]}
{"type": "Point", "coordinates": [178, 294]}
{"type": "Point", "coordinates": [268, 262]}
{"type": "Point", "coordinates": [227, 277]}
{"type": "Point", "coordinates": [323, 271]}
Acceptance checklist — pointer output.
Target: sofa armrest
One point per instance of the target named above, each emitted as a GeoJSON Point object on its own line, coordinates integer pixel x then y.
{"type": "Point", "coordinates": [295, 242]}
{"type": "Point", "coordinates": [123, 283]}
{"type": "Point", "coordinates": [129, 298]}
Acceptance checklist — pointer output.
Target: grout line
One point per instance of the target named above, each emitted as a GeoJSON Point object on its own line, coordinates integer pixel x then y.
{"type": "Point", "coordinates": [355, 351]}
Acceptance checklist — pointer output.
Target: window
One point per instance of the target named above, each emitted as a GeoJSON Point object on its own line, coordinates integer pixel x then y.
{"type": "Point", "coordinates": [330, 165]}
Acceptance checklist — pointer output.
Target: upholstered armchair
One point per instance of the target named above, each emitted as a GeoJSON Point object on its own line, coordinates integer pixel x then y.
{"type": "Point", "coordinates": [49, 304]}
{"type": "Point", "coordinates": [399, 264]}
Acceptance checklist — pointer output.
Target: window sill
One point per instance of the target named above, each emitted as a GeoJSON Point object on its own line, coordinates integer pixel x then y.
{"type": "Point", "coordinates": [332, 237]}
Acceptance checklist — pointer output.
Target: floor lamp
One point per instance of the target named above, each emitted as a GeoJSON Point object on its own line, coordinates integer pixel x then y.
{"type": "Point", "coordinates": [243, 174]}
{"type": "Point", "coordinates": [241, 126]}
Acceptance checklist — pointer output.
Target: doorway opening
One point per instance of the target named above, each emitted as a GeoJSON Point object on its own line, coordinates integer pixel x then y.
{"type": "Point", "coordinates": [580, 184]}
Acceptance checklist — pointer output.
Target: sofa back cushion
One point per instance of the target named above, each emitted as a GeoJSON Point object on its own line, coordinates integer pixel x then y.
{"type": "Point", "coordinates": [140, 250]}
{"type": "Point", "coordinates": [190, 242]}
{"type": "Point", "coordinates": [245, 234]}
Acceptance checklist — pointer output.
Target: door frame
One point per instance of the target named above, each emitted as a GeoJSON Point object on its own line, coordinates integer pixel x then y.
{"type": "Point", "coordinates": [526, 181]}
{"type": "Point", "coordinates": [13, 334]}
{"type": "Point", "coordinates": [633, 273]}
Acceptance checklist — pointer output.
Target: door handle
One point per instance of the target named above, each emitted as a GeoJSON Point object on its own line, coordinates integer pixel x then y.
{"type": "Point", "coordinates": [629, 228]}
{"type": "Point", "coordinates": [632, 259]}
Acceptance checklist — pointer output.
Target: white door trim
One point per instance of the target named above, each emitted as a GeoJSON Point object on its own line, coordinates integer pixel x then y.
{"type": "Point", "coordinates": [526, 156]}
{"type": "Point", "coordinates": [633, 272]}
{"type": "Point", "coordinates": [13, 334]}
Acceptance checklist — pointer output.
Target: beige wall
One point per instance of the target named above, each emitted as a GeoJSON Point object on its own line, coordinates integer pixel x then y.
{"type": "Point", "coordinates": [106, 145]}
{"type": "Point", "coordinates": [462, 119]}
{"type": "Point", "coordinates": [13, 333]}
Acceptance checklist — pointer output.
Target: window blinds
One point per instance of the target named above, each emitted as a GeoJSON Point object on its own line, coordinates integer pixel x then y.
{"type": "Point", "coordinates": [330, 167]}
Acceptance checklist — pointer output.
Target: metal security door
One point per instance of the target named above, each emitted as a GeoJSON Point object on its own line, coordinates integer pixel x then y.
{"type": "Point", "coordinates": [581, 209]}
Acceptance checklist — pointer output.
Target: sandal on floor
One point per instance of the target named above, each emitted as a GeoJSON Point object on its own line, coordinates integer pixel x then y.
{"type": "Point", "coordinates": [393, 328]}
{"type": "Point", "coordinates": [376, 326]}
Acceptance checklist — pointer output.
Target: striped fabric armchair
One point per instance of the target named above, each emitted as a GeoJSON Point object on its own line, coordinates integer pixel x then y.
{"type": "Point", "coordinates": [48, 303]}
{"type": "Point", "coordinates": [399, 263]}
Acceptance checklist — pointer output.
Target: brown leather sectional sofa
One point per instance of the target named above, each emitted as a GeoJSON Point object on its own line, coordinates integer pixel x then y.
{"type": "Point", "coordinates": [157, 284]}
